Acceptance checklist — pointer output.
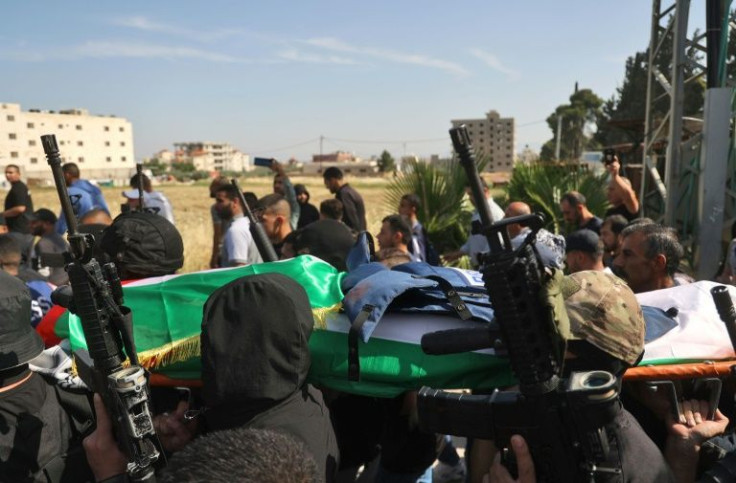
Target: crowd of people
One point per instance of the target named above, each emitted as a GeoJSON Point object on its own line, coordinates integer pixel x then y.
{"type": "Point", "coordinates": [256, 417]}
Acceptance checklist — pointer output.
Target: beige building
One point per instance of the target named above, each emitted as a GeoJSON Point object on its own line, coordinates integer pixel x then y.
{"type": "Point", "coordinates": [493, 137]}
{"type": "Point", "coordinates": [208, 156]}
{"type": "Point", "coordinates": [102, 146]}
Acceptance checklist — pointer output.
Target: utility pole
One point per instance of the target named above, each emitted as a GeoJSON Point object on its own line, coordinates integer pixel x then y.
{"type": "Point", "coordinates": [559, 135]}
{"type": "Point", "coordinates": [321, 139]}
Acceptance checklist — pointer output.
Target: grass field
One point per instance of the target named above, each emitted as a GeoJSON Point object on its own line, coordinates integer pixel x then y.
{"type": "Point", "coordinates": [192, 203]}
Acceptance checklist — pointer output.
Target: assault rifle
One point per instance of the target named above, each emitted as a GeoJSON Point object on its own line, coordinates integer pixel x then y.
{"type": "Point", "coordinates": [562, 420]}
{"type": "Point", "coordinates": [96, 298]}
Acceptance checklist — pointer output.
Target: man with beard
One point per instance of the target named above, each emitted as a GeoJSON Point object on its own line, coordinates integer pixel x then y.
{"type": "Point", "coordinates": [275, 216]}
{"type": "Point", "coordinates": [238, 247]}
{"type": "Point", "coordinates": [610, 231]}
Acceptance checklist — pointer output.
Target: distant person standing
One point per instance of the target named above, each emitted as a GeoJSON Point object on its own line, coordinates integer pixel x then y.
{"type": "Point", "coordinates": [420, 247]}
{"type": "Point", "coordinates": [18, 203]}
{"type": "Point", "coordinates": [576, 213]}
{"type": "Point", "coordinates": [73, 180]}
{"type": "Point", "coordinates": [353, 207]}
{"type": "Point", "coordinates": [48, 253]}
{"type": "Point", "coordinates": [154, 201]}
{"type": "Point", "coordinates": [620, 193]}
{"type": "Point", "coordinates": [308, 212]}
{"type": "Point", "coordinates": [238, 246]}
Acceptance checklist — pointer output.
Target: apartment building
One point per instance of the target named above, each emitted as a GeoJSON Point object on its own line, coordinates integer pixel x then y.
{"type": "Point", "coordinates": [209, 156]}
{"type": "Point", "coordinates": [493, 137]}
{"type": "Point", "coordinates": [102, 146]}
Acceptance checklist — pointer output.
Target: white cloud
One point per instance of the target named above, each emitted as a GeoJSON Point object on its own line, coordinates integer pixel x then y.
{"type": "Point", "coordinates": [145, 24]}
{"type": "Point", "coordinates": [104, 49]}
{"type": "Point", "coordinates": [298, 56]}
{"type": "Point", "coordinates": [494, 63]}
{"type": "Point", "coordinates": [337, 45]}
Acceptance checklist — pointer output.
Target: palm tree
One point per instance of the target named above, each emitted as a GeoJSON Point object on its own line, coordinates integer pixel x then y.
{"type": "Point", "coordinates": [445, 213]}
{"type": "Point", "coordinates": [542, 186]}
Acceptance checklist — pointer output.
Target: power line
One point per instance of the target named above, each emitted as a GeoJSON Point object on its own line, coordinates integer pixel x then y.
{"type": "Point", "coordinates": [395, 141]}
{"type": "Point", "coordinates": [285, 147]}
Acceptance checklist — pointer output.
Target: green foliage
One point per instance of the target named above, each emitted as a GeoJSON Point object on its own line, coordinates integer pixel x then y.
{"type": "Point", "coordinates": [444, 212]}
{"type": "Point", "coordinates": [542, 186]}
{"type": "Point", "coordinates": [386, 162]}
{"type": "Point", "coordinates": [156, 166]}
{"type": "Point", "coordinates": [583, 110]}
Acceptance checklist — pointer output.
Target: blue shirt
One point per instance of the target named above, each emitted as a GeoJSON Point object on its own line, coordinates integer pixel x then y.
{"type": "Point", "coordinates": [81, 204]}
{"type": "Point", "coordinates": [93, 191]}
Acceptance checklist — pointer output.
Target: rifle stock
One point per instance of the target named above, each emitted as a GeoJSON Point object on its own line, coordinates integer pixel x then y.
{"type": "Point", "coordinates": [96, 298]}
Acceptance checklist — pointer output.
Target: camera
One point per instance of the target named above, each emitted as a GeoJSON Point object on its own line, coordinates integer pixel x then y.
{"type": "Point", "coordinates": [609, 155]}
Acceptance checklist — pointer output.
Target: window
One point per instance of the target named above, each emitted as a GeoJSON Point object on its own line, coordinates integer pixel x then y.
{"type": "Point", "coordinates": [62, 142]}
{"type": "Point", "coordinates": [80, 159]}
{"type": "Point", "coordinates": [122, 143]}
{"type": "Point", "coordinates": [12, 135]}
{"type": "Point", "coordinates": [108, 159]}
{"type": "Point", "coordinates": [122, 129]}
{"type": "Point", "coordinates": [123, 158]}
{"type": "Point", "coordinates": [13, 154]}
{"type": "Point", "coordinates": [34, 160]}
{"type": "Point", "coordinates": [80, 143]}
{"type": "Point", "coordinates": [61, 126]}
{"type": "Point", "coordinates": [31, 142]}
{"type": "Point", "coordinates": [107, 128]}
{"type": "Point", "coordinates": [79, 127]}
{"type": "Point", "coordinates": [107, 143]}
{"type": "Point", "coordinates": [11, 117]}
{"type": "Point", "coordinates": [30, 125]}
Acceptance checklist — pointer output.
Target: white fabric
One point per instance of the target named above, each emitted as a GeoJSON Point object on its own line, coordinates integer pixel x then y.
{"type": "Point", "coordinates": [477, 243]}
{"type": "Point", "coordinates": [156, 201]}
{"type": "Point", "coordinates": [238, 247]}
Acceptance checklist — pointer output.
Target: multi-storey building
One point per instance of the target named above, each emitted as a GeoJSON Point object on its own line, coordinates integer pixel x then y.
{"type": "Point", "coordinates": [492, 137]}
{"type": "Point", "coordinates": [208, 156]}
{"type": "Point", "coordinates": [102, 146]}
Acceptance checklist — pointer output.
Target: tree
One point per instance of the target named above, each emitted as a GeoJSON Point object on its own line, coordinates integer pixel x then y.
{"type": "Point", "coordinates": [386, 162]}
{"type": "Point", "coordinates": [156, 166]}
{"type": "Point", "coordinates": [542, 185]}
{"type": "Point", "coordinates": [583, 111]}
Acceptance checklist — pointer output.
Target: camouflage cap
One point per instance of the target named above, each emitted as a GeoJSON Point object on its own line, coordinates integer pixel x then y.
{"type": "Point", "coordinates": [604, 312]}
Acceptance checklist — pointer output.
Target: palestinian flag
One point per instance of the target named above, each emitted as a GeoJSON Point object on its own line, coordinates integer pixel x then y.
{"type": "Point", "coordinates": [167, 318]}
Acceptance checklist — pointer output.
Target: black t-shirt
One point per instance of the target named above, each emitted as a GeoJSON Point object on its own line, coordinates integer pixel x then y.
{"type": "Point", "coordinates": [308, 214]}
{"type": "Point", "coordinates": [19, 196]}
{"type": "Point", "coordinates": [594, 224]}
{"type": "Point", "coordinates": [621, 210]}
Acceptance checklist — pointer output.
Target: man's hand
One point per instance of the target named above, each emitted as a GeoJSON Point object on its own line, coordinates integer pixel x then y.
{"type": "Point", "coordinates": [174, 432]}
{"type": "Point", "coordinates": [277, 168]}
{"type": "Point", "coordinates": [103, 454]}
{"type": "Point", "coordinates": [688, 434]}
{"type": "Point", "coordinates": [524, 462]}
{"type": "Point", "coordinates": [693, 428]}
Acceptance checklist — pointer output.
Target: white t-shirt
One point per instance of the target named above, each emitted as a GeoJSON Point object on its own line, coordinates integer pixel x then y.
{"type": "Point", "coordinates": [477, 243]}
{"type": "Point", "coordinates": [238, 247]}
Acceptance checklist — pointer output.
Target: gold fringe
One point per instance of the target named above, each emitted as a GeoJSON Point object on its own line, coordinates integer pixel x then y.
{"type": "Point", "coordinates": [185, 349]}
{"type": "Point", "coordinates": [173, 352]}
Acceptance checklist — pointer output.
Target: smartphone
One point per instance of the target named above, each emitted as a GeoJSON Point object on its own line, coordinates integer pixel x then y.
{"type": "Point", "coordinates": [608, 156]}
{"type": "Point", "coordinates": [265, 162]}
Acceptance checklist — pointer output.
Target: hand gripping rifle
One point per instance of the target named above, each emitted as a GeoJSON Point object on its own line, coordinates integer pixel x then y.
{"type": "Point", "coordinates": [265, 248]}
{"type": "Point", "coordinates": [563, 421]}
{"type": "Point", "coordinates": [96, 298]}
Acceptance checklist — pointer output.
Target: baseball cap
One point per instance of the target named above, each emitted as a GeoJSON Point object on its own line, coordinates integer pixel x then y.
{"type": "Point", "coordinates": [583, 240]}
{"type": "Point", "coordinates": [43, 214]}
{"type": "Point", "coordinates": [604, 312]}
{"type": "Point", "coordinates": [19, 342]}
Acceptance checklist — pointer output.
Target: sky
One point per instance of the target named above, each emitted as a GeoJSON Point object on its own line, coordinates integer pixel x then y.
{"type": "Point", "coordinates": [271, 78]}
